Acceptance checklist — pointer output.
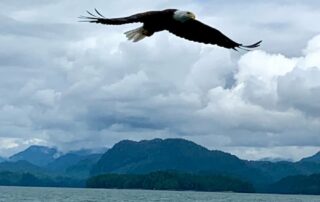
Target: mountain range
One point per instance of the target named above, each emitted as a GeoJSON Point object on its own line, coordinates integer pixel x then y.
{"type": "Point", "coordinates": [315, 158]}
{"type": "Point", "coordinates": [182, 155]}
{"type": "Point", "coordinates": [2, 159]}
{"type": "Point", "coordinates": [49, 162]}
{"type": "Point", "coordinates": [148, 156]}
{"type": "Point", "coordinates": [37, 155]}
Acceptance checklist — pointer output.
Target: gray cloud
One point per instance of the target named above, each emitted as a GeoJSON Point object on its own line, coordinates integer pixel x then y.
{"type": "Point", "coordinates": [73, 85]}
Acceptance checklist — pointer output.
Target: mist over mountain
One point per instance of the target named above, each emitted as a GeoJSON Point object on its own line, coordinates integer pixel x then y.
{"type": "Point", "coordinates": [85, 152]}
{"type": "Point", "coordinates": [275, 159]}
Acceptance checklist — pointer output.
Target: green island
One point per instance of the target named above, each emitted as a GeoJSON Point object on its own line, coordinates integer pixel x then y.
{"type": "Point", "coordinates": [167, 180]}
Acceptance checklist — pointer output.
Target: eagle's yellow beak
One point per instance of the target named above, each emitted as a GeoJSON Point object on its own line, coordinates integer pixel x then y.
{"type": "Point", "coordinates": [193, 16]}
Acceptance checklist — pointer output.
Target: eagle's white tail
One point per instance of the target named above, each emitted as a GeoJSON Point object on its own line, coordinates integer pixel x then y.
{"type": "Point", "coordinates": [136, 34]}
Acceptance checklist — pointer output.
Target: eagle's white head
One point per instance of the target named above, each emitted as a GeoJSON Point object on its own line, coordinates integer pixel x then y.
{"type": "Point", "coordinates": [183, 16]}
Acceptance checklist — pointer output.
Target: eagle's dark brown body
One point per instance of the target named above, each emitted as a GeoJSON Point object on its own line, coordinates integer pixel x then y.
{"type": "Point", "coordinates": [156, 21]}
{"type": "Point", "coordinates": [180, 23]}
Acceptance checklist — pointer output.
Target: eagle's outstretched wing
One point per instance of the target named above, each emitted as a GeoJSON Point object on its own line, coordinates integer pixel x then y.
{"type": "Point", "coordinates": [99, 18]}
{"type": "Point", "coordinates": [199, 32]}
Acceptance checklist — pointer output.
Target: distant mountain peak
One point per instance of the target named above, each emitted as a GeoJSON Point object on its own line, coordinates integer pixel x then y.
{"type": "Point", "coordinates": [37, 155]}
{"type": "Point", "coordinates": [158, 141]}
{"type": "Point", "coordinates": [314, 158]}
{"type": "Point", "coordinates": [163, 154]}
{"type": "Point", "coordinates": [43, 149]}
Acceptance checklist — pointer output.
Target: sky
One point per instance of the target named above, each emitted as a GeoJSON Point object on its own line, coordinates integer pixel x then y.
{"type": "Point", "coordinates": [75, 85]}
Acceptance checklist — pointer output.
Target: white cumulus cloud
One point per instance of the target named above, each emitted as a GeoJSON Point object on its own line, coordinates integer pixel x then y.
{"type": "Point", "coordinates": [73, 85]}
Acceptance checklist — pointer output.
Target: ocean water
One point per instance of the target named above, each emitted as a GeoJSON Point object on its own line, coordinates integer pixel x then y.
{"type": "Point", "coordinates": [26, 194]}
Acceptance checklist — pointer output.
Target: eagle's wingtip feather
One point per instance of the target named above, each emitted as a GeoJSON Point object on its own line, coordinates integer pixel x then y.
{"type": "Point", "coordinates": [91, 14]}
{"type": "Point", "coordinates": [255, 45]}
{"type": "Point", "coordinates": [98, 13]}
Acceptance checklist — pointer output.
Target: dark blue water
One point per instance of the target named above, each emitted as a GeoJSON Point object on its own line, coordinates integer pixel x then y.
{"type": "Point", "coordinates": [26, 194]}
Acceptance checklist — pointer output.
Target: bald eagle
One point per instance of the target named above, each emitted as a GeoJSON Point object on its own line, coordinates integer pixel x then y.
{"type": "Point", "coordinates": [178, 22]}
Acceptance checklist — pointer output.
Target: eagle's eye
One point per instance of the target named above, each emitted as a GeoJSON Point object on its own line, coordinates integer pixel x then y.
{"type": "Point", "coordinates": [190, 14]}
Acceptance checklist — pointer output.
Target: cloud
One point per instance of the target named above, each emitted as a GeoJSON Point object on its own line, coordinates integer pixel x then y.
{"type": "Point", "coordinates": [74, 85]}
{"type": "Point", "coordinates": [13, 145]}
{"type": "Point", "coordinates": [284, 152]}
